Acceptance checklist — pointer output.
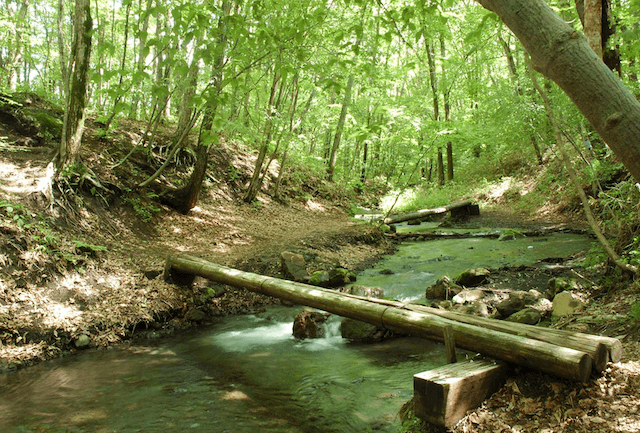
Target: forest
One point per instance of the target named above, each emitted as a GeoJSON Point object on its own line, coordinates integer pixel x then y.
{"type": "Point", "coordinates": [239, 129]}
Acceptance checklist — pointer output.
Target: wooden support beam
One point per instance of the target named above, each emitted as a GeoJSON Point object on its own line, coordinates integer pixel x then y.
{"type": "Point", "coordinates": [449, 344]}
{"type": "Point", "coordinates": [444, 395]}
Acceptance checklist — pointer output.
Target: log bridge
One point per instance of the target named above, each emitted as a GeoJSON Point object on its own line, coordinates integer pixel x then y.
{"type": "Point", "coordinates": [565, 354]}
{"type": "Point", "coordinates": [460, 208]}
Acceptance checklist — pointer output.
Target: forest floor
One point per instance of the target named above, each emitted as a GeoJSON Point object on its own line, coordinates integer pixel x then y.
{"type": "Point", "coordinates": [87, 273]}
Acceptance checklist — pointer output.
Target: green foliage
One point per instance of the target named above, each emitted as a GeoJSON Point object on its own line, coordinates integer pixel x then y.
{"type": "Point", "coordinates": [634, 312]}
{"type": "Point", "coordinates": [143, 207]}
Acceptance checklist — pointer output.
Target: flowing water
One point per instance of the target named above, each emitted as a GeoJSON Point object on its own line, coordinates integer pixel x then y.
{"type": "Point", "coordinates": [248, 374]}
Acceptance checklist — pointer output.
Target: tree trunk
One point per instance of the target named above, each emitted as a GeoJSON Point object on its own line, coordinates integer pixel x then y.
{"type": "Point", "coordinates": [73, 126]}
{"type": "Point", "coordinates": [339, 128]}
{"type": "Point", "coordinates": [440, 167]}
{"type": "Point", "coordinates": [256, 184]}
{"type": "Point", "coordinates": [184, 199]}
{"type": "Point", "coordinates": [137, 86]}
{"type": "Point", "coordinates": [449, 161]}
{"type": "Point", "coordinates": [433, 80]}
{"type": "Point", "coordinates": [576, 182]}
{"type": "Point", "coordinates": [565, 57]}
{"type": "Point", "coordinates": [557, 360]}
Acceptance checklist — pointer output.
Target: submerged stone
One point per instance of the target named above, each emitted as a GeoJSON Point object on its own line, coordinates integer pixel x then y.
{"type": "Point", "coordinates": [309, 324]}
{"type": "Point", "coordinates": [362, 332]}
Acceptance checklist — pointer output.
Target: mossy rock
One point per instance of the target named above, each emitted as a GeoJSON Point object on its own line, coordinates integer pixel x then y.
{"type": "Point", "coordinates": [332, 278]}
{"type": "Point", "coordinates": [50, 125]}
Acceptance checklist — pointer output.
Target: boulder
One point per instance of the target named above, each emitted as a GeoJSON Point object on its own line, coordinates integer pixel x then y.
{"type": "Point", "coordinates": [528, 316]}
{"type": "Point", "coordinates": [294, 266]}
{"type": "Point", "coordinates": [444, 288]}
{"type": "Point", "coordinates": [309, 324]}
{"type": "Point", "coordinates": [82, 341]}
{"type": "Point", "coordinates": [557, 285]}
{"type": "Point", "coordinates": [366, 291]}
{"type": "Point", "coordinates": [565, 303]}
{"type": "Point", "coordinates": [195, 315]}
{"type": "Point", "coordinates": [362, 332]}
{"type": "Point", "coordinates": [517, 301]}
{"type": "Point", "coordinates": [332, 278]}
{"type": "Point", "coordinates": [467, 296]}
{"type": "Point", "coordinates": [473, 277]}
{"type": "Point", "coordinates": [477, 308]}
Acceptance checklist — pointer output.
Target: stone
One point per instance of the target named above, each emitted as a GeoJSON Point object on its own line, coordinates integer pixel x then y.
{"type": "Point", "coordinates": [559, 284]}
{"type": "Point", "coordinates": [365, 291]}
{"type": "Point", "coordinates": [444, 288]}
{"type": "Point", "coordinates": [309, 324]}
{"type": "Point", "coordinates": [294, 267]}
{"type": "Point", "coordinates": [528, 316]}
{"type": "Point", "coordinates": [82, 341]}
{"type": "Point", "coordinates": [467, 296]}
{"type": "Point", "coordinates": [516, 302]}
{"type": "Point", "coordinates": [565, 304]}
{"type": "Point", "coordinates": [332, 278]}
{"type": "Point", "coordinates": [473, 277]}
{"type": "Point", "coordinates": [195, 315]}
{"type": "Point", "coordinates": [362, 332]}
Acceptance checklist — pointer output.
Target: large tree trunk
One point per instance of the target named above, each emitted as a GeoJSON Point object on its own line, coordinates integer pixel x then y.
{"type": "Point", "coordinates": [185, 198]}
{"type": "Point", "coordinates": [564, 56]}
{"type": "Point", "coordinates": [69, 148]}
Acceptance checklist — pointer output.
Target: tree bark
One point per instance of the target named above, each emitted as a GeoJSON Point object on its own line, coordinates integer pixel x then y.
{"type": "Point", "coordinates": [449, 161]}
{"type": "Point", "coordinates": [564, 56]}
{"type": "Point", "coordinates": [73, 126]}
{"type": "Point", "coordinates": [339, 128]}
{"type": "Point", "coordinates": [557, 360]}
{"type": "Point", "coordinates": [440, 167]}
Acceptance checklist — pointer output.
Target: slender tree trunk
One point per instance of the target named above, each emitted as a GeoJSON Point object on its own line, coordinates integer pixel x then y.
{"type": "Point", "coordinates": [440, 167]}
{"type": "Point", "coordinates": [69, 148]}
{"type": "Point", "coordinates": [62, 52]}
{"type": "Point", "coordinates": [255, 184]}
{"type": "Point", "coordinates": [449, 161]}
{"type": "Point", "coordinates": [123, 63]}
{"type": "Point", "coordinates": [576, 182]}
{"type": "Point", "coordinates": [564, 56]}
{"type": "Point", "coordinates": [339, 128]}
{"type": "Point", "coordinates": [433, 79]}
{"type": "Point", "coordinates": [137, 86]}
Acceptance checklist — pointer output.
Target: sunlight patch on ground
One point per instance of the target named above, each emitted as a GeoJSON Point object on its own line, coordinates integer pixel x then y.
{"type": "Point", "coordinates": [20, 179]}
{"type": "Point", "coordinates": [407, 196]}
{"type": "Point", "coordinates": [314, 206]}
{"type": "Point", "coordinates": [500, 188]}
{"type": "Point", "coordinates": [59, 315]}
{"type": "Point", "coordinates": [235, 395]}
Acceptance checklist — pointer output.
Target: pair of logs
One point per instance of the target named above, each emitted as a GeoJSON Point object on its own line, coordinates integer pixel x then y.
{"type": "Point", "coordinates": [554, 355]}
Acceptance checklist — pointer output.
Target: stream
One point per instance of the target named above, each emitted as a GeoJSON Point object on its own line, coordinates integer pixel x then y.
{"type": "Point", "coordinates": [248, 373]}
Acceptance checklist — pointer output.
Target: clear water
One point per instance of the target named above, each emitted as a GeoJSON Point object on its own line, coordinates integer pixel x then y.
{"type": "Point", "coordinates": [244, 374]}
{"type": "Point", "coordinates": [417, 265]}
{"type": "Point", "coordinates": [248, 374]}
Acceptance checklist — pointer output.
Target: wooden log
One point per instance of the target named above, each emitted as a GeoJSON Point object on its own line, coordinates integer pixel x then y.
{"type": "Point", "coordinates": [443, 396]}
{"type": "Point", "coordinates": [392, 219]}
{"type": "Point", "coordinates": [560, 361]}
{"type": "Point", "coordinates": [599, 348]}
